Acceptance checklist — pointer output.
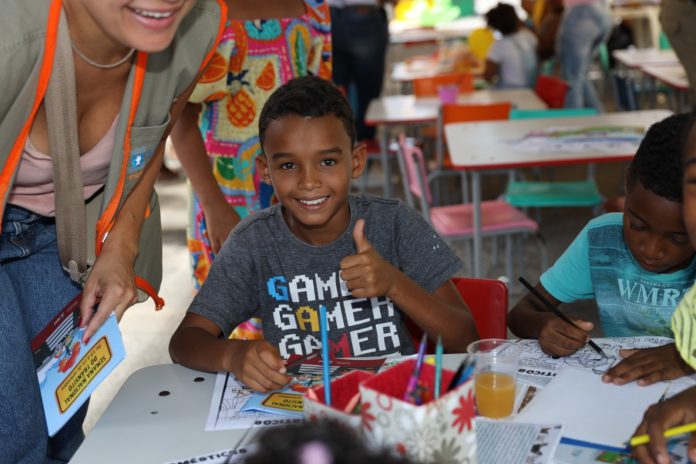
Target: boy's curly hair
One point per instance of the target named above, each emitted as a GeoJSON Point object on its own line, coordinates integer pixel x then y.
{"type": "Point", "coordinates": [292, 444]}
{"type": "Point", "coordinates": [658, 162]}
{"type": "Point", "coordinates": [307, 96]}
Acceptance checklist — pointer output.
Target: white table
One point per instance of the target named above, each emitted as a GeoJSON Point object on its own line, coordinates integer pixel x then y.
{"type": "Point", "coordinates": [399, 110]}
{"type": "Point", "coordinates": [402, 32]}
{"type": "Point", "coordinates": [143, 426]}
{"type": "Point", "coordinates": [407, 109]}
{"type": "Point", "coordinates": [406, 71]}
{"type": "Point", "coordinates": [673, 76]}
{"type": "Point", "coordinates": [481, 146]}
{"type": "Point", "coordinates": [635, 58]}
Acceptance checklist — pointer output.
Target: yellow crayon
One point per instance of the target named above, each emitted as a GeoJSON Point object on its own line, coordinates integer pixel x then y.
{"type": "Point", "coordinates": [674, 431]}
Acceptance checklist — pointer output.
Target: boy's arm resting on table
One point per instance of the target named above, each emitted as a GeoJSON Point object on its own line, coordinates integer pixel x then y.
{"type": "Point", "coordinates": [196, 344]}
{"type": "Point", "coordinates": [530, 318]}
{"type": "Point", "coordinates": [648, 365]}
{"type": "Point", "coordinates": [111, 281]}
{"type": "Point", "coordinates": [220, 217]}
{"type": "Point", "coordinates": [678, 410]}
{"type": "Point", "coordinates": [443, 313]}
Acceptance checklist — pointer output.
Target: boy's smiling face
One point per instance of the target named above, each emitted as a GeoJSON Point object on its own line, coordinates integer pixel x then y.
{"type": "Point", "coordinates": [310, 163]}
{"type": "Point", "coordinates": [655, 230]}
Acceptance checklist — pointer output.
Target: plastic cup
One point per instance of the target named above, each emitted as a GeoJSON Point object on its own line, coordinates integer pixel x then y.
{"type": "Point", "coordinates": [495, 376]}
{"type": "Point", "coordinates": [448, 93]}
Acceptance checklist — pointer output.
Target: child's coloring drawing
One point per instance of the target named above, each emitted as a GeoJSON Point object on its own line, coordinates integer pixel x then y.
{"type": "Point", "coordinates": [229, 397]}
{"type": "Point", "coordinates": [609, 139]}
{"type": "Point", "coordinates": [538, 369]}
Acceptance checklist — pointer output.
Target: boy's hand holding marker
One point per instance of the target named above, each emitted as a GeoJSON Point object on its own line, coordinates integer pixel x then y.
{"type": "Point", "coordinates": [648, 365]}
{"type": "Point", "coordinates": [258, 364]}
{"type": "Point", "coordinates": [367, 275]}
{"type": "Point", "coordinates": [558, 338]}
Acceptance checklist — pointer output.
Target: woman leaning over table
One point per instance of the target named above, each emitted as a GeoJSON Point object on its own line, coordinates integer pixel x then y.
{"type": "Point", "coordinates": [584, 26]}
{"type": "Point", "coordinates": [135, 64]}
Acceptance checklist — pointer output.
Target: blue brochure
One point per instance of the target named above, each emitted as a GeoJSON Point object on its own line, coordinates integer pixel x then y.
{"type": "Point", "coordinates": [69, 370]}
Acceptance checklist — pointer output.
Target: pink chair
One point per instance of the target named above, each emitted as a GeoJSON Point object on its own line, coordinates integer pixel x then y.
{"type": "Point", "coordinates": [454, 222]}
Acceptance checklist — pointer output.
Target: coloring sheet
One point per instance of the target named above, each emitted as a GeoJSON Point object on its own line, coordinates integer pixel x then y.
{"type": "Point", "coordinates": [236, 406]}
{"type": "Point", "coordinates": [608, 139]}
{"type": "Point", "coordinates": [538, 369]}
{"type": "Point", "coordinates": [515, 443]}
{"type": "Point", "coordinates": [229, 397]}
{"type": "Point", "coordinates": [590, 410]}
{"type": "Point", "coordinates": [225, 456]}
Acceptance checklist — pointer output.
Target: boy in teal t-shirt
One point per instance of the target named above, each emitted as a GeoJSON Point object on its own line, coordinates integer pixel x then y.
{"type": "Point", "coordinates": [637, 265]}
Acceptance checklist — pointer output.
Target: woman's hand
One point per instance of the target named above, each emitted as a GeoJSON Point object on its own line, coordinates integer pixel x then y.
{"type": "Point", "coordinates": [110, 287]}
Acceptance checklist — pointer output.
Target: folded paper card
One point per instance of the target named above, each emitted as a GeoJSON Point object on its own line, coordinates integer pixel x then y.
{"type": "Point", "coordinates": [439, 430]}
{"type": "Point", "coordinates": [68, 369]}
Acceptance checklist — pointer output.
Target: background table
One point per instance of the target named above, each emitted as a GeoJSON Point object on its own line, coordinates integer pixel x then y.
{"type": "Point", "coordinates": [397, 110]}
{"type": "Point", "coordinates": [635, 58]}
{"type": "Point", "coordinates": [409, 33]}
{"type": "Point", "coordinates": [480, 146]}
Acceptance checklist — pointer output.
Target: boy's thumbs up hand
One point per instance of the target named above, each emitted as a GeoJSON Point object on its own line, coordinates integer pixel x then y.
{"type": "Point", "coordinates": [366, 274]}
{"type": "Point", "coordinates": [361, 243]}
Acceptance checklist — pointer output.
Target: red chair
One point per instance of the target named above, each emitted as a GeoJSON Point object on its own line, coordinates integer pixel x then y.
{"type": "Point", "coordinates": [551, 90]}
{"type": "Point", "coordinates": [488, 301]}
{"type": "Point", "coordinates": [428, 86]}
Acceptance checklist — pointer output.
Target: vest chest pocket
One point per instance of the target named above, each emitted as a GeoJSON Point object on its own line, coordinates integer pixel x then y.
{"type": "Point", "coordinates": [144, 140]}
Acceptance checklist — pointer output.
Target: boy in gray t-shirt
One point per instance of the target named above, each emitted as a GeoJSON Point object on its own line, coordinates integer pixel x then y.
{"type": "Point", "coordinates": [369, 260]}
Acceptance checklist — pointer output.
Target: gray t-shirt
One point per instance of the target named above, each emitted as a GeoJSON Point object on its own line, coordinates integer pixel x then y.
{"type": "Point", "coordinates": [264, 270]}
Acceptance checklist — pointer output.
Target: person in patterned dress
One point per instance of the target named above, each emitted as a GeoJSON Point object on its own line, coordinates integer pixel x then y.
{"type": "Point", "coordinates": [265, 44]}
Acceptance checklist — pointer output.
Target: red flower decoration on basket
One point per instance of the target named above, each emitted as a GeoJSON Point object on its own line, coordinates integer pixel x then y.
{"type": "Point", "coordinates": [465, 412]}
{"type": "Point", "coordinates": [367, 417]}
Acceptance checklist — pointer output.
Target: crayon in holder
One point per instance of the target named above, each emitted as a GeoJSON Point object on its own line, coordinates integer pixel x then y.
{"type": "Point", "coordinates": [434, 431]}
{"type": "Point", "coordinates": [343, 391]}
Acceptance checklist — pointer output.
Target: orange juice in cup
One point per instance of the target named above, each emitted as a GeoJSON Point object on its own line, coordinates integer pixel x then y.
{"type": "Point", "coordinates": [495, 376]}
{"type": "Point", "coordinates": [495, 394]}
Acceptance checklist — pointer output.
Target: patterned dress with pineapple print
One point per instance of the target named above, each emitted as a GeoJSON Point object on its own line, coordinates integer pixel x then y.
{"type": "Point", "coordinates": [253, 59]}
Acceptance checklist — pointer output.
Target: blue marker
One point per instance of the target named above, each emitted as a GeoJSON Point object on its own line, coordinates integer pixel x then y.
{"type": "Point", "coordinates": [323, 328]}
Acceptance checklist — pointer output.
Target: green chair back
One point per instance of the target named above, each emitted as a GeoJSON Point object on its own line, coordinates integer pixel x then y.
{"type": "Point", "coordinates": [664, 42]}
{"type": "Point", "coordinates": [552, 113]}
{"type": "Point", "coordinates": [525, 194]}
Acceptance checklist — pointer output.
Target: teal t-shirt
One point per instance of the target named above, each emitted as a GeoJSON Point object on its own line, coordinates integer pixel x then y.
{"type": "Point", "coordinates": [631, 300]}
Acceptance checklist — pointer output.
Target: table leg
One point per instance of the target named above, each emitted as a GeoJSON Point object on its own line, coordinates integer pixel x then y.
{"type": "Point", "coordinates": [386, 168]}
{"type": "Point", "coordinates": [476, 203]}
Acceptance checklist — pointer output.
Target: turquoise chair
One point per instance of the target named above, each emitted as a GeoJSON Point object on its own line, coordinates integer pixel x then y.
{"type": "Point", "coordinates": [664, 41]}
{"type": "Point", "coordinates": [528, 194]}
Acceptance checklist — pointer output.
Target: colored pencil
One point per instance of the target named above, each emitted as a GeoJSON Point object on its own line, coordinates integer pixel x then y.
{"type": "Point", "coordinates": [558, 313]}
{"type": "Point", "coordinates": [413, 380]}
{"type": "Point", "coordinates": [458, 373]}
{"type": "Point", "coordinates": [674, 431]}
{"type": "Point", "coordinates": [352, 403]}
{"type": "Point", "coordinates": [325, 354]}
{"type": "Point", "coordinates": [438, 366]}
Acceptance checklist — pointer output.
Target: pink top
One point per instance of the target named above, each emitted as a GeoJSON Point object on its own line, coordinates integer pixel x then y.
{"type": "Point", "coordinates": [33, 188]}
